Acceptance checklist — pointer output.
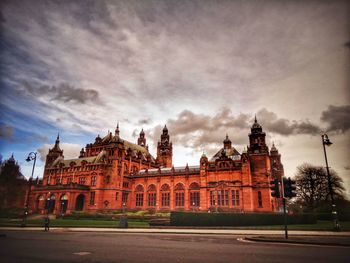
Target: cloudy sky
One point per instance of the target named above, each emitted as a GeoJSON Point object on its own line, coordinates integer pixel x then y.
{"type": "Point", "coordinates": [204, 68]}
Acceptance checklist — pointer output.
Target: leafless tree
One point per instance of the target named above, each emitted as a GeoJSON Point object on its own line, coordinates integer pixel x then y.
{"type": "Point", "coordinates": [312, 185]}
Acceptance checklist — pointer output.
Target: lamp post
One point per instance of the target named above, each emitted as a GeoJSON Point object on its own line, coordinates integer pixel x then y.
{"type": "Point", "coordinates": [326, 141]}
{"type": "Point", "coordinates": [31, 157]}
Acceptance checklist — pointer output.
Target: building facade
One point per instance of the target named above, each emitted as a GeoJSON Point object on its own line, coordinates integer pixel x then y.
{"type": "Point", "coordinates": [112, 174]}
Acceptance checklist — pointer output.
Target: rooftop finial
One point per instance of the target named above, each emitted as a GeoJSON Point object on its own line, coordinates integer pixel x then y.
{"type": "Point", "coordinates": [255, 120]}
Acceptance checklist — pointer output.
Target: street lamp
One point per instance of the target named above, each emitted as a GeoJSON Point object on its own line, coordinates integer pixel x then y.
{"type": "Point", "coordinates": [193, 206]}
{"type": "Point", "coordinates": [326, 141]}
{"type": "Point", "coordinates": [31, 157]}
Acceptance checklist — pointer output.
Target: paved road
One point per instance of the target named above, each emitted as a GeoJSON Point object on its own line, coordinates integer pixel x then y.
{"type": "Point", "coordinates": [35, 246]}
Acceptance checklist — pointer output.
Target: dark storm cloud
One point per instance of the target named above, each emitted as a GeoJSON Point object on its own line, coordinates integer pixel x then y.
{"type": "Point", "coordinates": [272, 123]}
{"type": "Point", "coordinates": [63, 92]}
{"type": "Point", "coordinates": [337, 118]}
{"type": "Point", "coordinates": [144, 121]}
{"type": "Point", "coordinates": [198, 130]}
{"type": "Point", "coordinates": [6, 132]}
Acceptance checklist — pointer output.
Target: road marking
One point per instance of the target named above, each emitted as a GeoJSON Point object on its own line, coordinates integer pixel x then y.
{"type": "Point", "coordinates": [288, 244]}
{"type": "Point", "coordinates": [82, 253]}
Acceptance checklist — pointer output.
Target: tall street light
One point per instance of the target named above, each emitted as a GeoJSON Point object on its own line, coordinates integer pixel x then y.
{"type": "Point", "coordinates": [326, 141]}
{"type": "Point", "coordinates": [31, 157]}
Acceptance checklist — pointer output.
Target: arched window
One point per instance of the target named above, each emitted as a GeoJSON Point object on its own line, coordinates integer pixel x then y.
{"type": "Point", "coordinates": [152, 195]}
{"type": "Point", "coordinates": [194, 194]}
{"type": "Point", "coordinates": [165, 190]}
{"type": "Point", "coordinates": [260, 199]}
{"type": "Point", "coordinates": [194, 186]}
{"type": "Point", "coordinates": [139, 195]}
{"type": "Point", "coordinates": [152, 188]}
{"type": "Point", "coordinates": [51, 202]}
{"type": "Point", "coordinates": [139, 188]}
{"type": "Point", "coordinates": [179, 195]}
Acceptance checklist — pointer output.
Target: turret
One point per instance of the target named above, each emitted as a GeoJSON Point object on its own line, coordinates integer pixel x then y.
{"type": "Point", "coordinates": [257, 142]}
{"type": "Point", "coordinates": [82, 153]}
{"type": "Point", "coordinates": [142, 140]}
{"type": "Point", "coordinates": [54, 153]}
{"type": "Point", "coordinates": [227, 143]}
{"type": "Point", "coordinates": [277, 169]}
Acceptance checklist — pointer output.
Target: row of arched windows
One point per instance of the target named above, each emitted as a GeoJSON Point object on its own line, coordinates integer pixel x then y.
{"type": "Point", "coordinates": [165, 195]}
{"type": "Point", "coordinates": [166, 187]}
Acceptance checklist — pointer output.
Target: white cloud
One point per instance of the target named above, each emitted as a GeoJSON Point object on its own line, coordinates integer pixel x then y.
{"type": "Point", "coordinates": [70, 150]}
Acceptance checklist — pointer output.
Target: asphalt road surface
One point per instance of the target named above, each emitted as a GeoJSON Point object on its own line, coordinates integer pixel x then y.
{"type": "Point", "coordinates": [27, 246]}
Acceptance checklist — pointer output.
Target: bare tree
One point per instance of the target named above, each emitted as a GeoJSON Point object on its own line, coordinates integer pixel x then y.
{"type": "Point", "coordinates": [312, 185]}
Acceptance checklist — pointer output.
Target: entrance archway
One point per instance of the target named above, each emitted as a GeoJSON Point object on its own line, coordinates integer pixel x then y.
{"type": "Point", "coordinates": [50, 204]}
{"type": "Point", "coordinates": [79, 203]}
{"type": "Point", "coordinates": [64, 204]}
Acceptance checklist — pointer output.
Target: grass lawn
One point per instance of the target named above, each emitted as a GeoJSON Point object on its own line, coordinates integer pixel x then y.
{"type": "Point", "coordinates": [73, 223]}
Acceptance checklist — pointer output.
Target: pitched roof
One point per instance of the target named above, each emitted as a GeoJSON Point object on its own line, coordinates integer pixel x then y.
{"type": "Point", "coordinates": [230, 153]}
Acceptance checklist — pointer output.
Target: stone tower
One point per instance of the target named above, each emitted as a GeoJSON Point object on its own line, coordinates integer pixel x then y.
{"type": "Point", "coordinates": [165, 150]}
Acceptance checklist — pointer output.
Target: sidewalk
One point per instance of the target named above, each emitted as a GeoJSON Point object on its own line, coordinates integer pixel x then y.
{"type": "Point", "coordinates": [304, 240]}
{"type": "Point", "coordinates": [183, 231]}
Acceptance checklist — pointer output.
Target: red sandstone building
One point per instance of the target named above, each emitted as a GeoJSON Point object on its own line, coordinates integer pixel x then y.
{"type": "Point", "coordinates": [112, 173]}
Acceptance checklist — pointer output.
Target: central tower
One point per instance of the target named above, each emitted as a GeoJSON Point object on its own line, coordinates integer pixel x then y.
{"type": "Point", "coordinates": [165, 150]}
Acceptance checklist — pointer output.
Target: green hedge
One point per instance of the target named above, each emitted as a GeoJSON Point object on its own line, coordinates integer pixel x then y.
{"type": "Point", "coordinates": [11, 213]}
{"type": "Point", "coordinates": [231, 219]}
{"type": "Point", "coordinates": [342, 216]}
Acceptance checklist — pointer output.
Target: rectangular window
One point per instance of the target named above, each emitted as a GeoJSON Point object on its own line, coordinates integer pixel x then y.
{"type": "Point", "coordinates": [92, 198]}
{"type": "Point", "coordinates": [125, 197]}
{"type": "Point", "coordinates": [259, 199]}
{"type": "Point", "coordinates": [81, 180]}
{"type": "Point", "coordinates": [212, 198]}
{"type": "Point", "coordinates": [235, 197]}
{"type": "Point", "coordinates": [69, 180]}
{"type": "Point", "coordinates": [180, 199]}
{"type": "Point", "coordinates": [93, 180]}
{"type": "Point", "coordinates": [219, 198]}
{"type": "Point", "coordinates": [116, 196]}
{"type": "Point", "coordinates": [226, 197]}
{"type": "Point", "coordinates": [194, 198]}
{"type": "Point", "coordinates": [139, 199]}
{"type": "Point", "coordinates": [152, 197]}
{"type": "Point", "coordinates": [125, 184]}
{"type": "Point", "coordinates": [165, 199]}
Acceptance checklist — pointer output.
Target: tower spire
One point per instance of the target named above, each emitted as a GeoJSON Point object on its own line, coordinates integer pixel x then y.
{"type": "Point", "coordinates": [117, 129]}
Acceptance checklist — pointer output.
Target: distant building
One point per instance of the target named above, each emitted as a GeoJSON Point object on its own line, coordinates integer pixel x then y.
{"type": "Point", "coordinates": [13, 185]}
{"type": "Point", "coordinates": [112, 173]}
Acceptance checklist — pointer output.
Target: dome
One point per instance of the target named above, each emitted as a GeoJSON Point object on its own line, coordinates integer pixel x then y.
{"type": "Point", "coordinates": [227, 140]}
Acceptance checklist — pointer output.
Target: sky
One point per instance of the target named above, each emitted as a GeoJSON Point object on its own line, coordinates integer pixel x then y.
{"type": "Point", "coordinates": [203, 68]}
